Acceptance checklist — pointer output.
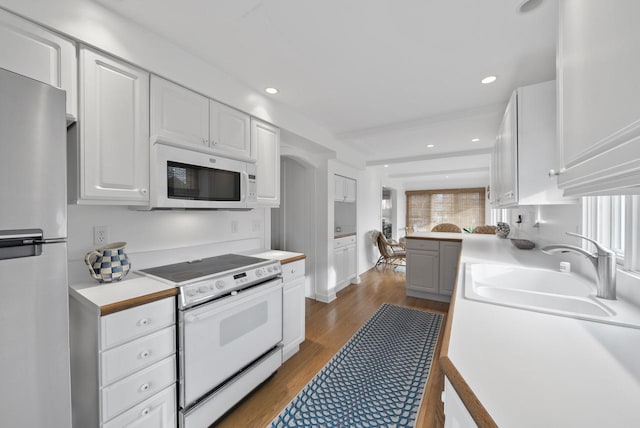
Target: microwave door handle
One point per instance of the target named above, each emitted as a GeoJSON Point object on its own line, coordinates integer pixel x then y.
{"type": "Point", "coordinates": [244, 187]}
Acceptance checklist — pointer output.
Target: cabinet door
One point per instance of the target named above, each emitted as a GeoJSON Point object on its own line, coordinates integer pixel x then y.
{"type": "Point", "coordinates": [449, 253]}
{"type": "Point", "coordinates": [351, 265]}
{"type": "Point", "coordinates": [508, 155]}
{"type": "Point", "coordinates": [230, 131]}
{"type": "Point", "coordinates": [494, 183]}
{"type": "Point", "coordinates": [598, 103]}
{"type": "Point", "coordinates": [349, 190]}
{"type": "Point", "coordinates": [30, 50]}
{"type": "Point", "coordinates": [114, 130]}
{"type": "Point", "coordinates": [456, 414]}
{"type": "Point", "coordinates": [339, 187]}
{"type": "Point", "coordinates": [267, 141]}
{"type": "Point", "coordinates": [293, 318]}
{"type": "Point", "coordinates": [422, 271]}
{"type": "Point", "coordinates": [178, 115]}
{"type": "Point", "coordinates": [158, 411]}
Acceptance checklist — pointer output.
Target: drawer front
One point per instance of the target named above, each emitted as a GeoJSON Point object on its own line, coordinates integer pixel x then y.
{"type": "Point", "coordinates": [422, 244]}
{"type": "Point", "coordinates": [132, 390]}
{"type": "Point", "coordinates": [132, 356]}
{"type": "Point", "coordinates": [158, 411]}
{"type": "Point", "coordinates": [291, 271]}
{"type": "Point", "coordinates": [343, 242]}
{"type": "Point", "coordinates": [136, 322]}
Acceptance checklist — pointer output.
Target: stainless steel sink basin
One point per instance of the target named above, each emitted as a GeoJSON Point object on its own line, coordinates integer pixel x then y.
{"type": "Point", "coordinates": [544, 290]}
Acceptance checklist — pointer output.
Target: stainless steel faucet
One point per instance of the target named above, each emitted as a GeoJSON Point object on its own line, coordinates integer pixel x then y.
{"type": "Point", "coordinates": [604, 260]}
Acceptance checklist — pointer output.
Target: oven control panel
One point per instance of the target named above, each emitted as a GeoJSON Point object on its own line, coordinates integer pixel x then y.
{"type": "Point", "coordinates": [209, 288]}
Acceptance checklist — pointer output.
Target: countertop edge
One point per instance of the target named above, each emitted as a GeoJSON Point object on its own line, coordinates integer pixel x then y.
{"type": "Point", "coordinates": [475, 408]}
{"type": "Point", "coordinates": [137, 301]}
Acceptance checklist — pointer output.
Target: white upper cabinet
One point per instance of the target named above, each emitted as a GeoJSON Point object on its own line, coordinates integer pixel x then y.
{"type": "Point", "coordinates": [526, 150]}
{"type": "Point", "coordinates": [178, 115]}
{"type": "Point", "coordinates": [230, 132]}
{"type": "Point", "coordinates": [266, 139]}
{"type": "Point", "coordinates": [344, 189]}
{"type": "Point", "coordinates": [599, 102]}
{"type": "Point", "coordinates": [32, 51]}
{"type": "Point", "coordinates": [114, 131]}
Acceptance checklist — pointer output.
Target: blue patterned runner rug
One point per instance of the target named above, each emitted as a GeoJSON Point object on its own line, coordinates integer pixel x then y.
{"type": "Point", "coordinates": [376, 379]}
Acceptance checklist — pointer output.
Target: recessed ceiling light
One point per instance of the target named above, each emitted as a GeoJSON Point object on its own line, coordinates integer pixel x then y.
{"type": "Point", "coordinates": [271, 91]}
{"type": "Point", "coordinates": [386, 166]}
{"type": "Point", "coordinates": [489, 79]}
{"type": "Point", "coordinates": [430, 146]}
{"type": "Point", "coordinates": [475, 140]}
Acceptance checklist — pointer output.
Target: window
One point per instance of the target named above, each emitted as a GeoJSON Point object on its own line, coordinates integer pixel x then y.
{"type": "Point", "coordinates": [463, 207]}
{"type": "Point", "coordinates": [613, 222]}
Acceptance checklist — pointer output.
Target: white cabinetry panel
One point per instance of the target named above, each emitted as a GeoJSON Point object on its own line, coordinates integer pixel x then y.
{"type": "Point", "coordinates": [456, 414]}
{"type": "Point", "coordinates": [230, 131]}
{"type": "Point", "coordinates": [526, 150]}
{"type": "Point", "coordinates": [293, 315]}
{"type": "Point", "coordinates": [267, 141]}
{"type": "Point", "coordinates": [114, 130]}
{"type": "Point", "coordinates": [178, 115]}
{"type": "Point", "coordinates": [158, 411]}
{"type": "Point", "coordinates": [32, 51]}
{"type": "Point", "coordinates": [598, 103]}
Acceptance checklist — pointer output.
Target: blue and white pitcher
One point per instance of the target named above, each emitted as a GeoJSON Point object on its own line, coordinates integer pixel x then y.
{"type": "Point", "coordinates": [108, 263]}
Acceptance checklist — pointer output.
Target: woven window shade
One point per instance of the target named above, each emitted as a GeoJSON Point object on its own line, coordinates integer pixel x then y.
{"type": "Point", "coordinates": [462, 207]}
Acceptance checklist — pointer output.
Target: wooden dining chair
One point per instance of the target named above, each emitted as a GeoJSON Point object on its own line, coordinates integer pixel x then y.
{"type": "Point", "coordinates": [446, 227]}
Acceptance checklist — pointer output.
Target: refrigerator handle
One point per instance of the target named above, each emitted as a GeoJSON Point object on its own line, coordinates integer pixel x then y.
{"type": "Point", "coordinates": [22, 243]}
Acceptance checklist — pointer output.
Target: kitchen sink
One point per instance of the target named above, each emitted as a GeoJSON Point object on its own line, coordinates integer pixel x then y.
{"type": "Point", "coordinates": [544, 290]}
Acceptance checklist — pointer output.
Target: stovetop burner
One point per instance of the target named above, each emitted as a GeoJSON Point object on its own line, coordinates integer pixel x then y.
{"type": "Point", "coordinates": [203, 280]}
{"type": "Point", "coordinates": [186, 271]}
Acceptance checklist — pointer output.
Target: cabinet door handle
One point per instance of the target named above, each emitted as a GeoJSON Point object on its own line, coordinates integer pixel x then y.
{"type": "Point", "coordinates": [144, 191]}
{"type": "Point", "coordinates": [145, 411]}
{"type": "Point", "coordinates": [143, 322]}
{"type": "Point", "coordinates": [145, 387]}
{"type": "Point", "coordinates": [145, 354]}
{"type": "Point", "coordinates": [553, 173]}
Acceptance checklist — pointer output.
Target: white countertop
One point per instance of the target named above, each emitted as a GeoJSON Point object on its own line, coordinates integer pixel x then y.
{"type": "Point", "coordinates": [131, 287]}
{"type": "Point", "coordinates": [134, 285]}
{"type": "Point", "coordinates": [282, 256]}
{"type": "Point", "coordinates": [530, 369]}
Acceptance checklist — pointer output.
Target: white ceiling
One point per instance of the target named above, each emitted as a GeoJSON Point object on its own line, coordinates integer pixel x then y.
{"type": "Point", "coordinates": [386, 77]}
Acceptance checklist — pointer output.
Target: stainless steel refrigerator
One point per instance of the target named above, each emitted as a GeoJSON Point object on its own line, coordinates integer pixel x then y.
{"type": "Point", "coordinates": [35, 387]}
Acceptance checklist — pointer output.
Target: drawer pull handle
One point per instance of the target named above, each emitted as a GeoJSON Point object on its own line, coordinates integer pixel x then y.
{"type": "Point", "coordinates": [145, 411]}
{"type": "Point", "coordinates": [143, 322]}
{"type": "Point", "coordinates": [145, 387]}
{"type": "Point", "coordinates": [144, 354]}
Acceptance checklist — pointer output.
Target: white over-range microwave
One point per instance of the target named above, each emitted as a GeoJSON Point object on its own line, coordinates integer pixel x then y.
{"type": "Point", "coordinates": [189, 179]}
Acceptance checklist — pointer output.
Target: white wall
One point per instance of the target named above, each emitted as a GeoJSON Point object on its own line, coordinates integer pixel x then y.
{"type": "Point", "coordinates": [158, 237]}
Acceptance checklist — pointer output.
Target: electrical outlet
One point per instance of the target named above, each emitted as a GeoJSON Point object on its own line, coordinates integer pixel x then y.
{"type": "Point", "coordinates": [234, 226]}
{"type": "Point", "coordinates": [100, 235]}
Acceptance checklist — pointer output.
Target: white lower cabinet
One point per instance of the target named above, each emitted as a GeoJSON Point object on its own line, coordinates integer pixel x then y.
{"type": "Point", "coordinates": [293, 308]}
{"type": "Point", "coordinates": [344, 261]}
{"type": "Point", "coordinates": [431, 268]}
{"type": "Point", "coordinates": [158, 411]}
{"type": "Point", "coordinates": [456, 414]}
{"type": "Point", "coordinates": [123, 365]}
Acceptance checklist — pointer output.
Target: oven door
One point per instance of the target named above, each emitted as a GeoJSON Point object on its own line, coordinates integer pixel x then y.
{"type": "Point", "coordinates": [220, 338]}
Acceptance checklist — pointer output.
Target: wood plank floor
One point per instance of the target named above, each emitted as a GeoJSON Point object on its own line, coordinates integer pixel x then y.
{"type": "Point", "coordinates": [328, 327]}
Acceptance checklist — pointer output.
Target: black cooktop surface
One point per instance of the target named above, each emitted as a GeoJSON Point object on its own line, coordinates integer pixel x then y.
{"type": "Point", "coordinates": [186, 271]}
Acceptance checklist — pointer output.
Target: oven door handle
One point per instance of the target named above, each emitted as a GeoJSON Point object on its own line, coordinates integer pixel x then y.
{"type": "Point", "coordinates": [229, 303]}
